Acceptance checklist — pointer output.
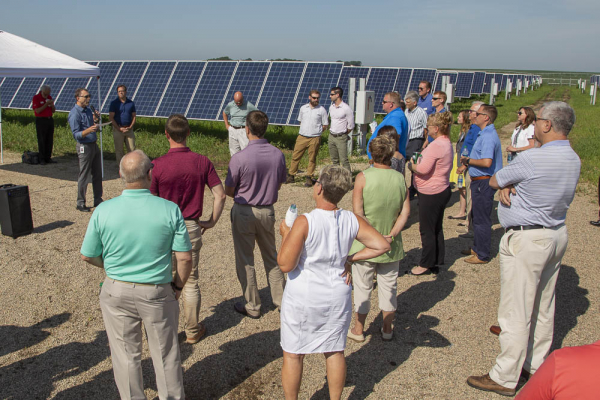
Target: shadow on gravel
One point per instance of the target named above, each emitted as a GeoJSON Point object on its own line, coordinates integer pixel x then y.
{"type": "Point", "coordinates": [35, 377]}
{"type": "Point", "coordinates": [412, 329]}
{"type": "Point", "coordinates": [15, 338]}
{"type": "Point", "coordinates": [52, 226]}
{"type": "Point", "coordinates": [571, 302]}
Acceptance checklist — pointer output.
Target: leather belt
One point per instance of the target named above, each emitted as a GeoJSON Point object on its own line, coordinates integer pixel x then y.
{"type": "Point", "coordinates": [337, 134]}
{"type": "Point", "coordinates": [417, 138]}
{"type": "Point", "coordinates": [478, 178]}
{"type": "Point", "coordinates": [524, 227]}
{"type": "Point", "coordinates": [238, 127]}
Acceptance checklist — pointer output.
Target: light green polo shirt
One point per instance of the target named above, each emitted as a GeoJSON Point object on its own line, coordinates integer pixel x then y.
{"type": "Point", "coordinates": [237, 115]}
{"type": "Point", "coordinates": [135, 234]}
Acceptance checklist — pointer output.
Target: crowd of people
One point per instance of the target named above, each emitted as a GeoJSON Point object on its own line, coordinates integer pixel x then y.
{"type": "Point", "coordinates": [148, 240]}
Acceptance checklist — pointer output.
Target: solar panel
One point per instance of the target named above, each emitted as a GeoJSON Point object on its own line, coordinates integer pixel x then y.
{"type": "Point", "coordinates": [318, 76]}
{"type": "Point", "coordinates": [29, 87]}
{"type": "Point", "coordinates": [498, 79]}
{"type": "Point", "coordinates": [402, 81]}
{"type": "Point", "coordinates": [280, 90]}
{"type": "Point", "coordinates": [66, 100]}
{"type": "Point", "coordinates": [351, 72]}
{"type": "Point", "coordinates": [56, 85]}
{"type": "Point", "coordinates": [381, 81]}
{"type": "Point", "coordinates": [464, 82]}
{"type": "Point", "coordinates": [478, 82]}
{"type": "Point", "coordinates": [452, 75]}
{"type": "Point", "coordinates": [488, 83]}
{"type": "Point", "coordinates": [180, 89]}
{"type": "Point", "coordinates": [249, 78]}
{"type": "Point", "coordinates": [152, 87]}
{"type": "Point", "coordinates": [130, 75]}
{"type": "Point", "coordinates": [108, 72]}
{"type": "Point", "coordinates": [419, 75]}
{"type": "Point", "coordinates": [8, 89]}
{"type": "Point", "coordinates": [211, 90]}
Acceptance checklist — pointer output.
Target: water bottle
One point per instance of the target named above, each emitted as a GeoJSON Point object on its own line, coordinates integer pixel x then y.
{"type": "Point", "coordinates": [509, 156]}
{"type": "Point", "coordinates": [100, 290]}
{"type": "Point", "coordinates": [465, 152]}
{"type": "Point", "coordinates": [416, 156]}
{"type": "Point", "coordinates": [460, 181]}
{"type": "Point", "coordinates": [291, 215]}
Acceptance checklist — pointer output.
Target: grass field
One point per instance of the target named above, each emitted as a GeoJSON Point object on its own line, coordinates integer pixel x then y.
{"type": "Point", "coordinates": [210, 138]}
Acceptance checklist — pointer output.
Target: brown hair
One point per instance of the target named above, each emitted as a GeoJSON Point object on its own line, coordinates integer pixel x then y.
{"type": "Point", "coordinates": [177, 127]}
{"type": "Point", "coordinates": [441, 120]}
{"type": "Point", "coordinates": [336, 181]}
{"type": "Point", "coordinates": [382, 149]}
{"type": "Point", "coordinates": [427, 84]}
{"type": "Point", "coordinates": [491, 112]}
{"type": "Point", "coordinates": [391, 132]}
{"type": "Point", "coordinates": [257, 122]}
{"type": "Point", "coordinates": [121, 86]}
{"type": "Point", "coordinates": [78, 92]}
{"type": "Point", "coordinates": [466, 124]}
{"type": "Point", "coordinates": [529, 119]}
{"type": "Point", "coordinates": [314, 91]}
{"type": "Point", "coordinates": [441, 94]}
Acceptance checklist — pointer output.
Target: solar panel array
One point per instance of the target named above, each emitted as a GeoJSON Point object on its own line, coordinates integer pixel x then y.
{"type": "Point", "coordinates": [595, 79]}
{"type": "Point", "coordinates": [202, 89]}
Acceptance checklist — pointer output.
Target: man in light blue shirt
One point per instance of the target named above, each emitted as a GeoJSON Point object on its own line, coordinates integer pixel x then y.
{"type": "Point", "coordinates": [395, 117]}
{"type": "Point", "coordinates": [425, 97]}
{"type": "Point", "coordinates": [132, 237]}
{"type": "Point", "coordinates": [484, 161]}
{"type": "Point", "coordinates": [534, 200]}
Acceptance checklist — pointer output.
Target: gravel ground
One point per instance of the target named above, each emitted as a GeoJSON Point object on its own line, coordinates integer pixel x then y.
{"type": "Point", "coordinates": [54, 345]}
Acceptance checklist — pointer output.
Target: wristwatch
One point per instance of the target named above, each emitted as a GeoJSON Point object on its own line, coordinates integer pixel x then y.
{"type": "Point", "coordinates": [174, 286]}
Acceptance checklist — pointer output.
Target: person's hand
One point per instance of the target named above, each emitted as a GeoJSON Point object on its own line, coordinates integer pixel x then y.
{"type": "Point", "coordinates": [371, 161]}
{"type": "Point", "coordinates": [505, 193]}
{"type": "Point", "coordinates": [50, 102]}
{"type": "Point", "coordinates": [464, 160]}
{"type": "Point", "coordinates": [461, 169]}
{"type": "Point", "coordinates": [227, 126]}
{"type": "Point", "coordinates": [348, 273]}
{"type": "Point", "coordinates": [284, 229]}
{"type": "Point", "coordinates": [389, 238]}
{"type": "Point", "coordinates": [123, 129]}
{"type": "Point", "coordinates": [177, 294]}
{"type": "Point", "coordinates": [510, 149]}
{"type": "Point", "coordinates": [409, 166]}
{"type": "Point", "coordinates": [94, 128]}
{"type": "Point", "coordinates": [204, 225]}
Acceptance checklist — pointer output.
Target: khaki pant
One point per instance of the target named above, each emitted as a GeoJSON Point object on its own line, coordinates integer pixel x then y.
{"type": "Point", "coordinates": [303, 143]}
{"type": "Point", "coordinates": [120, 138]}
{"type": "Point", "coordinates": [190, 295]}
{"type": "Point", "coordinates": [387, 278]}
{"type": "Point", "coordinates": [124, 307]}
{"type": "Point", "coordinates": [238, 140]}
{"type": "Point", "coordinates": [250, 225]}
{"type": "Point", "coordinates": [529, 265]}
{"type": "Point", "coordinates": [338, 150]}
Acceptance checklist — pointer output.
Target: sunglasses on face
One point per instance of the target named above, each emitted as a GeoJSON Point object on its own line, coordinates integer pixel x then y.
{"type": "Point", "coordinates": [315, 98]}
{"type": "Point", "coordinates": [86, 97]}
{"type": "Point", "coordinates": [520, 113]}
{"type": "Point", "coordinates": [435, 98]}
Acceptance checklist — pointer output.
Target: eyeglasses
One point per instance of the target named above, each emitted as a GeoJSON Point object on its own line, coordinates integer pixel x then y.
{"type": "Point", "coordinates": [86, 97]}
{"type": "Point", "coordinates": [422, 88]}
{"type": "Point", "coordinates": [332, 94]}
{"type": "Point", "coordinates": [435, 98]}
{"type": "Point", "coordinates": [385, 101]}
{"type": "Point", "coordinates": [478, 113]}
{"type": "Point", "coordinates": [519, 113]}
{"type": "Point", "coordinates": [315, 98]}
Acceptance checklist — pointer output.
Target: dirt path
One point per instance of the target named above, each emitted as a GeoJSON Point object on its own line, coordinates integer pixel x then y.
{"type": "Point", "coordinates": [54, 346]}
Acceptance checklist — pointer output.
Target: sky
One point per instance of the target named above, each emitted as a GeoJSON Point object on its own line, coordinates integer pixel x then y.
{"type": "Point", "coordinates": [462, 34]}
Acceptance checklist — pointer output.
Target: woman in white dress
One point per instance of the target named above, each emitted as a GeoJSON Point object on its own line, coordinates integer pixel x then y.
{"type": "Point", "coordinates": [522, 137]}
{"type": "Point", "coordinates": [316, 309]}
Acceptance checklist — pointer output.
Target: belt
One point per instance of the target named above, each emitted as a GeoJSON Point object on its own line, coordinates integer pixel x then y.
{"type": "Point", "coordinates": [478, 178]}
{"type": "Point", "coordinates": [309, 137]}
{"type": "Point", "coordinates": [44, 117]}
{"type": "Point", "coordinates": [337, 134]}
{"type": "Point", "coordinates": [528, 227]}
{"type": "Point", "coordinates": [417, 138]}
{"type": "Point", "coordinates": [238, 127]}
{"type": "Point", "coordinates": [135, 283]}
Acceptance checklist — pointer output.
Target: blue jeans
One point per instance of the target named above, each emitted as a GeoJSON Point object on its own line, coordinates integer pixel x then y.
{"type": "Point", "coordinates": [482, 196]}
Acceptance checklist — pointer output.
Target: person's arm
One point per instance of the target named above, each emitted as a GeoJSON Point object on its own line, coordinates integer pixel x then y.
{"type": "Point", "coordinates": [111, 118]}
{"type": "Point", "coordinates": [292, 243]}
{"type": "Point", "coordinates": [357, 195]}
{"type": "Point", "coordinates": [229, 191]}
{"type": "Point", "coordinates": [324, 120]}
{"type": "Point", "coordinates": [482, 163]}
{"type": "Point", "coordinates": [218, 204]}
{"type": "Point", "coordinates": [232, 179]}
{"type": "Point", "coordinates": [425, 166]}
{"type": "Point", "coordinates": [350, 119]}
{"type": "Point", "coordinates": [374, 242]}
{"type": "Point", "coordinates": [400, 221]}
{"type": "Point", "coordinates": [184, 268]}
{"type": "Point", "coordinates": [133, 118]}
{"type": "Point", "coordinates": [48, 103]}
{"type": "Point", "coordinates": [531, 145]}
{"type": "Point", "coordinates": [95, 261]}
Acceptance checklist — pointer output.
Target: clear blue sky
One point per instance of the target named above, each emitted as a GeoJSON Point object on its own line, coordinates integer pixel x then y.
{"type": "Point", "coordinates": [509, 34]}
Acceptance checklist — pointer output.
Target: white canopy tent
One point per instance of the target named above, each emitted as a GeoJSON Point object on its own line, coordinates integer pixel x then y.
{"type": "Point", "coordinates": [23, 58]}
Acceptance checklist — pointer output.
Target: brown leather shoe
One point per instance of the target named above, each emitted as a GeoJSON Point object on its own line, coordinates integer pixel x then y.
{"type": "Point", "coordinates": [290, 179]}
{"type": "Point", "coordinates": [309, 182]}
{"type": "Point", "coordinates": [475, 260]}
{"type": "Point", "coordinates": [487, 384]}
{"type": "Point", "coordinates": [468, 252]}
{"type": "Point", "coordinates": [196, 338]}
{"type": "Point", "coordinates": [495, 329]}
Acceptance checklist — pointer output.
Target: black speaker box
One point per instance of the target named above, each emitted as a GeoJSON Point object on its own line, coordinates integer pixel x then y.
{"type": "Point", "coordinates": [15, 210]}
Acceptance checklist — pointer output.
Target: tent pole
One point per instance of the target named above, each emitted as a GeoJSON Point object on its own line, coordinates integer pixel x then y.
{"type": "Point", "coordinates": [100, 112]}
{"type": "Point", "coordinates": [1, 144]}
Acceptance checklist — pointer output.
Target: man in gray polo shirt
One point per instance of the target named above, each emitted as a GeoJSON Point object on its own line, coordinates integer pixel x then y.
{"type": "Point", "coordinates": [535, 197]}
{"type": "Point", "coordinates": [253, 180]}
{"type": "Point", "coordinates": [234, 116]}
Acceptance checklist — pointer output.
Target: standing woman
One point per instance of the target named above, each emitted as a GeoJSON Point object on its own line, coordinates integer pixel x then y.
{"type": "Point", "coordinates": [523, 136]}
{"type": "Point", "coordinates": [316, 309]}
{"type": "Point", "coordinates": [433, 186]}
{"type": "Point", "coordinates": [465, 124]}
{"type": "Point", "coordinates": [398, 161]}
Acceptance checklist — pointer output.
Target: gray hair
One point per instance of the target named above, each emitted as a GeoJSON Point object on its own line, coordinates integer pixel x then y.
{"type": "Point", "coordinates": [134, 166]}
{"type": "Point", "coordinates": [336, 182]}
{"type": "Point", "coordinates": [412, 95]}
{"type": "Point", "coordinates": [560, 114]}
{"type": "Point", "coordinates": [477, 103]}
{"type": "Point", "coordinates": [45, 88]}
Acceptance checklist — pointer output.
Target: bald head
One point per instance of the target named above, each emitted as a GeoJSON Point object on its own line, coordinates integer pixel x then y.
{"type": "Point", "coordinates": [134, 168]}
{"type": "Point", "coordinates": [238, 98]}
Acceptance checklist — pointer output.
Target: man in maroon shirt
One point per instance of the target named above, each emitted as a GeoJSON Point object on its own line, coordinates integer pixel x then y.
{"type": "Point", "coordinates": [180, 176]}
{"type": "Point", "coordinates": [253, 180]}
{"type": "Point", "coordinates": [43, 108]}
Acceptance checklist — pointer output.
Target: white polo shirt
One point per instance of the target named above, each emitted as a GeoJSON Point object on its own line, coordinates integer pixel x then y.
{"type": "Point", "coordinates": [312, 120]}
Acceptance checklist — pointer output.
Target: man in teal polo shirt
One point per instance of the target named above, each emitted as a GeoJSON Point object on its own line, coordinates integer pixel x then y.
{"type": "Point", "coordinates": [132, 237]}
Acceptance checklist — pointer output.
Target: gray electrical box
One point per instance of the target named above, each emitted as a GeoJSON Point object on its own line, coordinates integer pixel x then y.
{"type": "Point", "coordinates": [365, 107]}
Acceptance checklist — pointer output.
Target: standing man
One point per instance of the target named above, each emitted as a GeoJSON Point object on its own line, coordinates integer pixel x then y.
{"type": "Point", "coordinates": [84, 126]}
{"type": "Point", "coordinates": [132, 237]}
{"type": "Point", "coordinates": [425, 97]}
{"type": "Point", "coordinates": [234, 116]}
{"type": "Point", "coordinates": [342, 123]}
{"type": "Point", "coordinates": [180, 176]}
{"type": "Point", "coordinates": [43, 108]}
{"type": "Point", "coordinates": [254, 177]}
{"type": "Point", "coordinates": [395, 117]}
{"type": "Point", "coordinates": [122, 116]}
{"type": "Point", "coordinates": [417, 124]}
{"type": "Point", "coordinates": [534, 203]}
{"type": "Point", "coordinates": [313, 121]}
{"type": "Point", "coordinates": [484, 161]}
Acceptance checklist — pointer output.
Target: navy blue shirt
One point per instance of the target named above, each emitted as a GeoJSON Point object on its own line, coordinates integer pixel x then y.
{"type": "Point", "coordinates": [425, 104]}
{"type": "Point", "coordinates": [123, 111]}
{"type": "Point", "coordinates": [397, 119]}
{"type": "Point", "coordinates": [470, 139]}
{"type": "Point", "coordinates": [79, 120]}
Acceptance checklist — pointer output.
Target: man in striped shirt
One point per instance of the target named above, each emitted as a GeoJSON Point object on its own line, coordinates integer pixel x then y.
{"type": "Point", "coordinates": [417, 129]}
{"type": "Point", "coordinates": [534, 202]}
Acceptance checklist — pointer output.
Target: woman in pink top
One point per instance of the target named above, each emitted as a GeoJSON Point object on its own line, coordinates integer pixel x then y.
{"type": "Point", "coordinates": [432, 174]}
